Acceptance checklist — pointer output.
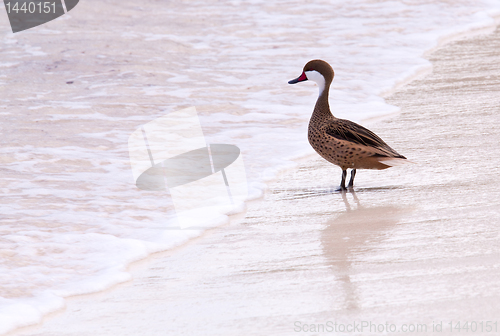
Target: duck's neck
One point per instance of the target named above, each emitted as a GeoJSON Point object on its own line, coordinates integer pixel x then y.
{"type": "Point", "coordinates": [322, 108]}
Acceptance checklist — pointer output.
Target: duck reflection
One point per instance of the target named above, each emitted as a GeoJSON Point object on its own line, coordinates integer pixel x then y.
{"type": "Point", "coordinates": [351, 234]}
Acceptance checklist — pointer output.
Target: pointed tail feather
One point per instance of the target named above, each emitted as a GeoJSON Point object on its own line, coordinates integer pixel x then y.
{"type": "Point", "coordinates": [393, 162]}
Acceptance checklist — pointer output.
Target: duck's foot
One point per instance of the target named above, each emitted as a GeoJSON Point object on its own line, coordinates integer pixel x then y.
{"type": "Point", "coordinates": [342, 182]}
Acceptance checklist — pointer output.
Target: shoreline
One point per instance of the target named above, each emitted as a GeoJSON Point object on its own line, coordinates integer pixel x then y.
{"type": "Point", "coordinates": [334, 260]}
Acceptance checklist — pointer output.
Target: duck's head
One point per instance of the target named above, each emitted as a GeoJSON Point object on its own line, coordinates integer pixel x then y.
{"type": "Point", "coordinates": [318, 71]}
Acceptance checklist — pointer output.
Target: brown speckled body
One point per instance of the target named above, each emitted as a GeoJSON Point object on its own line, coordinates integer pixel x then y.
{"type": "Point", "coordinates": [342, 153]}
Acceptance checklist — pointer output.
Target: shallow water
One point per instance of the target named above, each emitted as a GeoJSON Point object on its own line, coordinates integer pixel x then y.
{"type": "Point", "coordinates": [72, 218]}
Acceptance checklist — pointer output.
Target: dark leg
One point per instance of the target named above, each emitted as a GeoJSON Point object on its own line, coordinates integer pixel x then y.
{"type": "Point", "coordinates": [342, 183]}
{"type": "Point", "coordinates": [351, 182]}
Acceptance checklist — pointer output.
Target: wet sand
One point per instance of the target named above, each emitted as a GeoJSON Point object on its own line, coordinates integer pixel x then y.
{"type": "Point", "coordinates": [411, 246]}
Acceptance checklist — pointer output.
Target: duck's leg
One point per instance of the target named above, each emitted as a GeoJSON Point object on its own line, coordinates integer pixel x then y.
{"type": "Point", "coordinates": [342, 183]}
{"type": "Point", "coordinates": [351, 181]}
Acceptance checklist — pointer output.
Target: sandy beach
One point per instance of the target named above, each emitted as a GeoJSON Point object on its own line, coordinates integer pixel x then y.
{"type": "Point", "coordinates": [412, 248]}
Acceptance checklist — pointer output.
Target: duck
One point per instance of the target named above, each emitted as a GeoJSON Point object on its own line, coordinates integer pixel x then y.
{"type": "Point", "coordinates": [340, 141]}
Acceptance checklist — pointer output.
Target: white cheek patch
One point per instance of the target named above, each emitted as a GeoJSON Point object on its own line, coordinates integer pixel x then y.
{"type": "Point", "coordinates": [317, 78]}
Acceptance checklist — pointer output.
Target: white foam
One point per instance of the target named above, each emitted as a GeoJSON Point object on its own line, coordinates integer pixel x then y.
{"type": "Point", "coordinates": [8, 64]}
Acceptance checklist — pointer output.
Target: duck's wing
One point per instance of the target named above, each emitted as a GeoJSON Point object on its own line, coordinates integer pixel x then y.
{"type": "Point", "coordinates": [347, 130]}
